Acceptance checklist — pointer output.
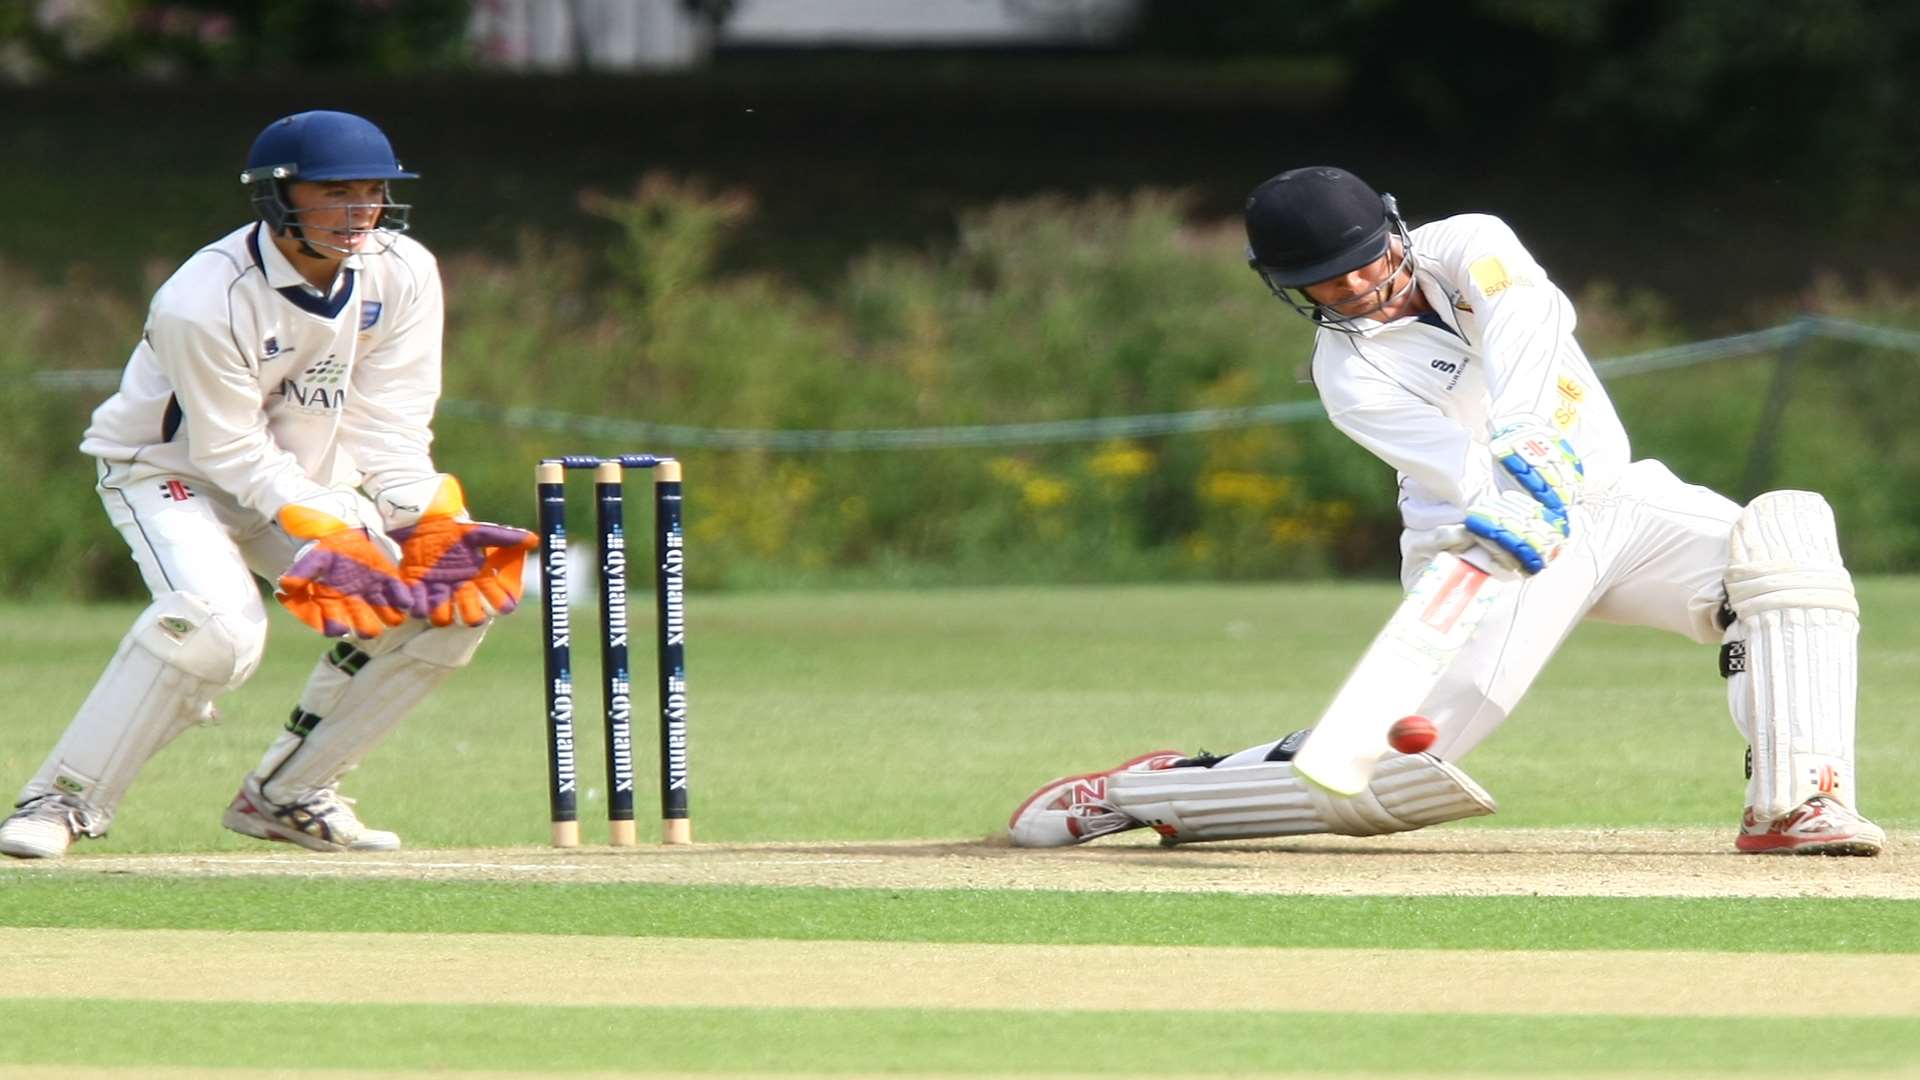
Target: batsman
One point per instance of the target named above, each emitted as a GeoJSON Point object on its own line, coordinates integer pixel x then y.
{"type": "Point", "coordinates": [1447, 352]}
{"type": "Point", "coordinates": [273, 420]}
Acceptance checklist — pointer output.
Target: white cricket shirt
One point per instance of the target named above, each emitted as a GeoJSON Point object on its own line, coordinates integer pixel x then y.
{"type": "Point", "coordinates": [247, 379]}
{"type": "Point", "coordinates": [1421, 393]}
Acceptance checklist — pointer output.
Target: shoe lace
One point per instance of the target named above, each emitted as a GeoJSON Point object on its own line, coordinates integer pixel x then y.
{"type": "Point", "coordinates": [327, 803]}
{"type": "Point", "coordinates": [79, 818]}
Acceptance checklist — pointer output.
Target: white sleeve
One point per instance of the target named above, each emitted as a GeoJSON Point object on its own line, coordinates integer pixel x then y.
{"type": "Point", "coordinates": [1442, 467]}
{"type": "Point", "coordinates": [218, 391]}
{"type": "Point", "coordinates": [1525, 321]}
{"type": "Point", "coordinates": [386, 425]}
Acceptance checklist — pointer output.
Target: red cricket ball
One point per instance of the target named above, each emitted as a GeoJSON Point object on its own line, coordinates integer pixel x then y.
{"type": "Point", "coordinates": [1412, 734]}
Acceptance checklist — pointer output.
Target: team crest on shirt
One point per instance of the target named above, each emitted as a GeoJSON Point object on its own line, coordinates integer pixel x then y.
{"type": "Point", "coordinates": [369, 314]}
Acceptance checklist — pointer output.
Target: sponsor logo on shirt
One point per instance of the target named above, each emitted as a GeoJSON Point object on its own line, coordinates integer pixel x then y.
{"type": "Point", "coordinates": [271, 347]}
{"type": "Point", "coordinates": [369, 314]}
{"type": "Point", "coordinates": [1492, 277]}
{"type": "Point", "coordinates": [1572, 393]}
{"type": "Point", "coordinates": [319, 388]}
{"type": "Point", "coordinates": [175, 490]}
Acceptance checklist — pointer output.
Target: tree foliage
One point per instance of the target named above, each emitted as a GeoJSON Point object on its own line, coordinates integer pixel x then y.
{"type": "Point", "coordinates": [1792, 84]}
{"type": "Point", "coordinates": [155, 39]}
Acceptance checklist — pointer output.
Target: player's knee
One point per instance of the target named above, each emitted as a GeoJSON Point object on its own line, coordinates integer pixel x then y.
{"type": "Point", "coordinates": [1784, 552]}
{"type": "Point", "coordinates": [446, 646]}
{"type": "Point", "coordinates": [213, 645]}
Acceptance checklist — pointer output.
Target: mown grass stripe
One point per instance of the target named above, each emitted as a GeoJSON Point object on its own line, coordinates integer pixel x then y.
{"type": "Point", "coordinates": [958, 915]}
{"type": "Point", "coordinates": [295, 1034]}
{"type": "Point", "coordinates": [517, 969]}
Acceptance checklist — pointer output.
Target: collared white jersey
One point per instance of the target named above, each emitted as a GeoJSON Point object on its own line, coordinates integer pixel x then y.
{"type": "Point", "coordinates": [249, 380]}
{"type": "Point", "coordinates": [1422, 393]}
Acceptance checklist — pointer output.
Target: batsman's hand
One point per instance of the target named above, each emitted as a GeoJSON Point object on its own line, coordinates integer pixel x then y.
{"type": "Point", "coordinates": [1540, 461]}
{"type": "Point", "coordinates": [457, 566]}
{"type": "Point", "coordinates": [342, 579]}
{"type": "Point", "coordinates": [1518, 532]}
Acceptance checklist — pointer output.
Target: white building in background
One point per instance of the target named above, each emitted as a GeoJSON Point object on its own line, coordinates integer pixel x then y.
{"type": "Point", "coordinates": [665, 35]}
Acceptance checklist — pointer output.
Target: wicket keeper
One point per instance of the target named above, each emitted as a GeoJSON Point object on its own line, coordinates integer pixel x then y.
{"type": "Point", "coordinates": [274, 420]}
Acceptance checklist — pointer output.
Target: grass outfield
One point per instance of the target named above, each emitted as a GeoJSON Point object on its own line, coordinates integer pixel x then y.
{"type": "Point", "coordinates": [898, 715]}
{"type": "Point", "coordinates": [1005, 917]}
{"type": "Point", "coordinates": [888, 715]}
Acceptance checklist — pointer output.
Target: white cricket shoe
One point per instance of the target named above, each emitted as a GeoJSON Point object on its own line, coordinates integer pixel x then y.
{"type": "Point", "coordinates": [1819, 826]}
{"type": "Point", "coordinates": [323, 821]}
{"type": "Point", "coordinates": [1074, 809]}
{"type": "Point", "coordinates": [45, 827]}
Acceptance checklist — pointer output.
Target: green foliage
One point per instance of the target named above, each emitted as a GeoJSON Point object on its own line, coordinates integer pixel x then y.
{"type": "Point", "coordinates": [57, 542]}
{"type": "Point", "coordinates": [1040, 309]}
{"type": "Point", "coordinates": [228, 37]}
{"type": "Point", "coordinates": [1813, 88]}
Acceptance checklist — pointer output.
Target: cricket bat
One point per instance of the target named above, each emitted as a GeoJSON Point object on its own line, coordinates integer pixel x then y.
{"type": "Point", "coordinates": [1401, 667]}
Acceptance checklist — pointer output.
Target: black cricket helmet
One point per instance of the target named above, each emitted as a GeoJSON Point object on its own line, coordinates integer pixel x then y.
{"type": "Point", "coordinates": [1317, 223]}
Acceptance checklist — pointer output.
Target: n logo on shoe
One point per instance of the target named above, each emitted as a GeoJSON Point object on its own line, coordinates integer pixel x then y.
{"type": "Point", "coordinates": [1093, 790]}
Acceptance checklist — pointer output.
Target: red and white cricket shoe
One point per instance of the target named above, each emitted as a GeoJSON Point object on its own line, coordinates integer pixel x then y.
{"type": "Point", "coordinates": [1074, 809]}
{"type": "Point", "coordinates": [1819, 826]}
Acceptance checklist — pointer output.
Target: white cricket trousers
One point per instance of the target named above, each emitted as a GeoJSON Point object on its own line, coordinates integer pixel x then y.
{"type": "Point", "coordinates": [188, 536]}
{"type": "Point", "coordinates": [1649, 551]}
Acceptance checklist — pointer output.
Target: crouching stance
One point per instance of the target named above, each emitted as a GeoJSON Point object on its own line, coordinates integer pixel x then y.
{"type": "Point", "coordinates": [1447, 352]}
{"type": "Point", "coordinates": [273, 421]}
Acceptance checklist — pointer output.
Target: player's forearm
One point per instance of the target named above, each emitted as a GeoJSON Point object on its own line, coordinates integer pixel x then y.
{"type": "Point", "coordinates": [1436, 457]}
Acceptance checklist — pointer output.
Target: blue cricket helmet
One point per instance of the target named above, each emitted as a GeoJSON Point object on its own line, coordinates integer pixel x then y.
{"type": "Point", "coordinates": [320, 145]}
{"type": "Point", "coordinates": [323, 145]}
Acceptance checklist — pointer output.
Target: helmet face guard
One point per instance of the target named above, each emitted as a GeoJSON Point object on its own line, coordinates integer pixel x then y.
{"type": "Point", "coordinates": [272, 205]}
{"type": "Point", "coordinates": [320, 146]}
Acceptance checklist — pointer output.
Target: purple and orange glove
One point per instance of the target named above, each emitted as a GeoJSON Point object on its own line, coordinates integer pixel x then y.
{"type": "Point", "coordinates": [455, 565]}
{"type": "Point", "coordinates": [342, 580]}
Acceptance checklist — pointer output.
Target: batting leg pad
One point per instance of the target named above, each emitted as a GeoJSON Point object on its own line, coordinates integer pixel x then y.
{"type": "Point", "coordinates": [356, 695]}
{"type": "Point", "coordinates": [1234, 802]}
{"type": "Point", "coordinates": [179, 655]}
{"type": "Point", "coordinates": [1792, 654]}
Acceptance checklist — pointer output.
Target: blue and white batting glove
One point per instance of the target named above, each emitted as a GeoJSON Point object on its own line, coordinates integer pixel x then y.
{"type": "Point", "coordinates": [1520, 533]}
{"type": "Point", "coordinates": [1542, 462]}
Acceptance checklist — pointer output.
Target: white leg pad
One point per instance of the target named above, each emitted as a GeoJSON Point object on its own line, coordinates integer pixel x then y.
{"type": "Point", "coordinates": [1269, 799]}
{"type": "Point", "coordinates": [1794, 695]}
{"type": "Point", "coordinates": [179, 655]}
{"type": "Point", "coordinates": [356, 695]}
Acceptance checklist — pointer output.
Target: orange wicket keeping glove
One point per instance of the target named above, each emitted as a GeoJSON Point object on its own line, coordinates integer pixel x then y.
{"type": "Point", "coordinates": [456, 566]}
{"type": "Point", "coordinates": [341, 581]}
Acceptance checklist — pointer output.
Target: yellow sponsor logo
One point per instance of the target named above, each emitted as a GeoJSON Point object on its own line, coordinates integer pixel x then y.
{"type": "Point", "coordinates": [1492, 278]}
{"type": "Point", "coordinates": [1490, 275]}
{"type": "Point", "coordinates": [1572, 393]}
